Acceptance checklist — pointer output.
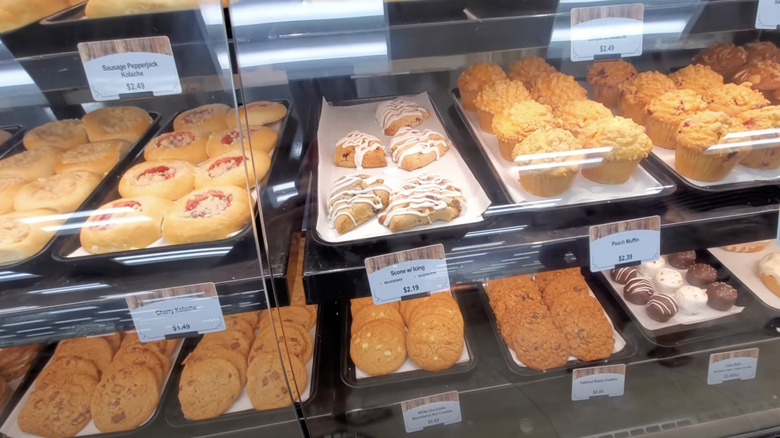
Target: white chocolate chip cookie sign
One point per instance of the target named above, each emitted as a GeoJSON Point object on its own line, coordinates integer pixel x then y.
{"type": "Point", "coordinates": [625, 243]}
{"type": "Point", "coordinates": [130, 68]}
{"type": "Point", "coordinates": [732, 365]}
{"type": "Point", "coordinates": [606, 32]}
{"type": "Point", "coordinates": [407, 274]}
{"type": "Point", "coordinates": [176, 312]}
{"type": "Point", "coordinates": [431, 411]}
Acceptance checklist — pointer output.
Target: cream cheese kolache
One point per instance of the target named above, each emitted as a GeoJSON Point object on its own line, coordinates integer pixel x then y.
{"type": "Point", "coordinates": [354, 200]}
{"type": "Point", "coordinates": [397, 113]}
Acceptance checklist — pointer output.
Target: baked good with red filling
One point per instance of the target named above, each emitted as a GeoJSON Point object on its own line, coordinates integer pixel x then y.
{"type": "Point", "coordinates": [124, 224]}
{"type": "Point", "coordinates": [260, 138]}
{"type": "Point", "coordinates": [208, 118]}
{"type": "Point", "coordinates": [178, 145]}
{"type": "Point", "coordinates": [203, 215]}
{"type": "Point", "coordinates": [169, 179]}
{"type": "Point", "coordinates": [229, 169]}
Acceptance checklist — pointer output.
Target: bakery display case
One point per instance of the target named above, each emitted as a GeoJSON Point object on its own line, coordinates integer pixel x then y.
{"type": "Point", "coordinates": [427, 217]}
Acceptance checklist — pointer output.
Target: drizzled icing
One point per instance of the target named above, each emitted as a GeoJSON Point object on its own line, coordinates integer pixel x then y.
{"type": "Point", "coordinates": [363, 143]}
{"type": "Point", "coordinates": [396, 109]}
{"type": "Point", "coordinates": [424, 192]}
{"type": "Point", "coordinates": [354, 189]}
{"type": "Point", "coordinates": [408, 142]}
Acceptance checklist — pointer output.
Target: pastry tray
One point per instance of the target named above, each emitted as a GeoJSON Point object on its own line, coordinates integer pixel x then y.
{"type": "Point", "coordinates": [339, 119]}
{"type": "Point", "coordinates": [681, 334]}
{"type": "Point", "coordinates": [29, 265]}
{"type": "Point", "coordinates": [624, 343]}
{"type": "Point", "coordinates": [740, 177]}
{"type": "Point", "coordinates": [355, 378]}
{"type": "Point", "coordinates": [159, 256]}
{"type": "Point", "coordinates": [744, 266]}
{"type": "Point", "coordinates": [647, 181]}
{"type": "Point", "coordinates": [10, 426]}
{"type": "Point", "coordinates": [242, 406]}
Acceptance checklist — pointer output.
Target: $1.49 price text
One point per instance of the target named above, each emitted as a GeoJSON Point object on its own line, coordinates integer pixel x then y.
{"type": "Point", "coordinates": [181, 327]}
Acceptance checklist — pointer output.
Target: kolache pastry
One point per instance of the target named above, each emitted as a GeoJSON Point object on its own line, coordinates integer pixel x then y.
{"type": "Point", "coordinates": [97, 158]}
{"type": "Point", "coordinates": [698, 78]}
{"type": "Point", "coordinates": [62, 134]}
{"type": "Point", "coordinates": [724, 59]}
{"type": "Point", "coordinates": [664, 114]}
{"type": "Point", "coordinates": [169, 179]}
{"type": "Point", "coordinates": [211, 118]}
{"type": "Point", "coordinates": [513, 125]}
{"type": "Point", "coordinates": [124, 224]}
{"type": "Point", "coordinates": [422, 200]}
{"type": "Point", "coordinates": [604, 78]}
{"type": "Point", "coordinates": [38, 163]}
{"type": "Point", "coordinates": [769, 271]}
{"type": "Point", "coordinates": [638, 91]}
{"type": "Point", "coordinates": [691, 300]}
{"type": "Point", "coordinates": [360, 150]}
{"type": "Point", "coordinates": [395, 114]}
{"type": "Point", "coordinates": [355, 199]}
{"type": "Point", "coordinates": [9, 185]}
{"type": "Point", "coordinates": [207, 214]}
{"type": "Point", "coordinates": [474, 79]}
{"type": "Point", "coordinates": [177, 145]}
{"type": "Point", "coordinates": [760, 131]}
{"type": "Point", "coordinates": [412, 149]}
{"type": "Point", "coordinates": [126, 123]}
{"type": "Point", "coordinates": [705, 149]}
{"type": "Point", "coordinates": [259, 113]}
{"type": "Point", "coordinates": [667, 281]}
{"type": "Point", "coordinates": [557, 89]}
{"type": "Point", "coordinates": [661, 307]}
{"type": "Point", "coordinates": [530, 68]}
{"type": "Point", "coordinates": [228, 169]}
{"type": "Point", "coordinates": [15, 14]}
{"type": "Point", "coordinates": [496, 97]}
{"type": "Point", "coordinates": [721, 296]}
{"type": "Point", "coordinates": [554, 168]}
{"type": "Point", "coordinates": [629, 145]}
{"type": "Point", "coordinates": [21, 238]}
{"type": "Point", "coordinates": [61, 193]}
{"type": "Point", "coordinates": [260, 138]}
{"type": "Point", "coordinates": [701, 275]}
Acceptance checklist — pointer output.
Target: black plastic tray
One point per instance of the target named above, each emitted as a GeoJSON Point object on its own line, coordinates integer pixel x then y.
{"type": "Point", "coordinates": [424, 11]}
{"type": "Point", "coordinates": [348, 367]}
{"type": "Point", "coordinates": [622, 356]}
{"type": "Point", "coordinates": [650, 166]}
{"type": "Point", "coordinates": [749, 319]}
{"type": "Point", "coordinates": [30, 265]}
{"type": "Point", "coordinates": [190, 255]}
{"type": "Point", "coordinates": [175, 417]}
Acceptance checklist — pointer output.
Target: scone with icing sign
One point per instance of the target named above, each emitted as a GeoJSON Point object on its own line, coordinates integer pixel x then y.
{"type": "Point", "coordinates": [397, 113]}
{"type": "Point", "coordinates": [360, 150]}
{"type": "Point", "coordinates": [412, 149]}
{"type": "Point", "coordinates": [354, 200]}
{"type": "Point", "coordinates": [422, 201]}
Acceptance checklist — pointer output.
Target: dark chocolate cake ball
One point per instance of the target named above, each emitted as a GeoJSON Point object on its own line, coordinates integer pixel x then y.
{"type": "Point", "coordinates": [721, 296]}
{"type": "Point", "coordinates": [682, 260]}
{"type": "Point", "coordinates": [638, 291]}
{"type": "Point", "coordinates": [622, 275]}
{"type": "Point", "coordinates": [701, 275]}
{"type": "Point", "coordinates": [661, 307]}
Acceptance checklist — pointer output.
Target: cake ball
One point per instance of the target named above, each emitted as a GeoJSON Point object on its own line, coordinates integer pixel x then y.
{"type": "Point", "coordinates": [682, 260]}
{"type": "Point", "coordinates": [701, 275]}
{"type": "Point", "coordinates": [721, 296]}
{"type": "Point", "coordinates": [622, 275]}
{"type": "Point", "coordinates": [649, 269]}
{"type": "Point", "coordinates": [638, 291]}
{"type": "Point", "coordinates": [661, 307]}
{"type": "Point", "coordinates": [667, 281]}
{"type": "Point", "coordinates": [690, 299]}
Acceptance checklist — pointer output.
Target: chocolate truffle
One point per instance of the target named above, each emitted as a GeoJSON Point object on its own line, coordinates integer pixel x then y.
{"type": "Point", "coordinates": [622, 275]}
{"type": "Point", "coordinates": [682, 260]}
{"type": "Point", "coordinates": [701, 275]}
{"type": "Point", "coordinates": [661, 307]}
{"type": "Point", "coordinates": [690, 299]}
{"type": "Point", "coordinates": [721, 296]}
{"type": "Point", "coordinates": [638, 291]}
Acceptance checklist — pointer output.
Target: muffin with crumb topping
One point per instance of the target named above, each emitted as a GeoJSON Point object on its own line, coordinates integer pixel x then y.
{"type": "Point", "coordinates": [724, 59]}
{"type": "Point", "coordinates": [734, 99]}
{"type": "Point", "coordinates": [604, 78]}
{"type": "Point", "coordinates": [763, 76]}
{"type": "Point", "coordinates": [496, 97]}
{"type": "Point", "coordinates": [576, 114]}
{"type": "Point", "coordinates": [513, 125]}
{"type": "Point", "coordinates": [629, 145]}
{"type": "Point", "coordinates": [761, 127]}
{"type": "Point", "coordinates": [703, 152]}
{"type": "Point", "coordinates": [664, 113]}
{"type": "Point", "coordinates": [638, 91]}
{"type": "Point", "coordinates": [696, 77]}
{"type": "Point", "coordinates": [556, 89]}
{"type": "Point", "coordinates": [475, 78]}
{"type": "Point", "coordinates": [549, 169]}
{"type": "Point", "coordinates": [529, 69]}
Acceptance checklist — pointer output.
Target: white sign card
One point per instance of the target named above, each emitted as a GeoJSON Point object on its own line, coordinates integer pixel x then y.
{"type": "Point", "coordinates": [768, 14]}
{"type": "Point", "coordinates": [431, 411]}
{"type": "Point", "coordinates": [606, 32]}
{"type": "Point", "coordinates": [176, 312]}
{"type": "Point", "coordinates": [625, 243]}
{"type": "Point", "coordinates": [732, 365]}
{"type": "Point", "coordinates": [608, 380]}
{"type": "Point", "coordinates": [407, 274]}
{"type": "Point", "coordinates": [130, 68]}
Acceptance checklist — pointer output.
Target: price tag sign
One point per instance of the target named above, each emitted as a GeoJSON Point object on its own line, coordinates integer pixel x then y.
{"type": "Point", "coordinates": [176, 312]}
{"type": "Point", "coordinates": [407, 274]}
{"type": "Point", "coordinates": [768, 14]}
{"type": "Point", "coordinates": [625, 243]}
{"type": "Point", "coordinates": [130, 68]}
{"type": "Point", "coordinates": [431, 411]}
{"type": "Point", "coordinates": [607, 381]}
{"type": "Point", "coordinates": [733, 365]}
{"type": "Point", "coordinates": [606, 32]}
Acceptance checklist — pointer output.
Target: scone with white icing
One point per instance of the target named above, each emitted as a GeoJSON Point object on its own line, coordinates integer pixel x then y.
{"type": "Point", "coordinates": [397, 113]}
{"type": "Point", "coordinates": [412, 149]}
{"type": "Point", "coordinates": [360, 150]}
{"type": "Point", "coordinates": [423, 200]}
{"type": "Point", "coordinates": [354, 200]}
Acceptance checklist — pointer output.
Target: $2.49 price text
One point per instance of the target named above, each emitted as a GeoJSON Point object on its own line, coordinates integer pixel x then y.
{"type": "Point", "coordinates": [135, 86]}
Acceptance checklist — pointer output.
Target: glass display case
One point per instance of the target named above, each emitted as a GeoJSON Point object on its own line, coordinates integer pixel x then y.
{"type": "Point", "coordinates": [379, 218]}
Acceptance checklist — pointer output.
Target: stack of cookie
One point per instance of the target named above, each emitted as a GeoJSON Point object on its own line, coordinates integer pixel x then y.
{"type": "Point", "coordinates": [548, 318]}
{"type": "Point", "coordinates": [429, 330]}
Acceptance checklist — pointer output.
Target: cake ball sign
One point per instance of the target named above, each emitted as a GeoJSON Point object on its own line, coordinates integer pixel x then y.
{"type": "Point", "coordinates": [625, 243]}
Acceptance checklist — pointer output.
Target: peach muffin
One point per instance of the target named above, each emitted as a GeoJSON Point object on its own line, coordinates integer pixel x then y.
{"type": "Point", "coordinates": [475, 78]}
{"type": "Point", "coordinates": [513, 125]}
{"type": "Point", "coordinates": [554, 172]}
{"type": "Point", "coordinates": [576, 114]}
{"type": "Point", "coordinates": [604, 78]}
{"type": "Point", "coordinates": [664, 113]}
{"type": "Point", "coordinates": [496, 97]}
{"type": "Point", "coordinates": [702, 150]}
{"type": "Point", "coordinates": [556, 89]}
{"type": "Point", "coordinates": [699, 78]}
{"type": "Point", "coordinates": [759, 127]}
{"type": "Point", "coordinates": [529, 69]}
{"type": "Point", "coordinates": [734, 99]}
{"type": "Point", "coordinates": [638, 91]}
{"type": "Point", "coordinates": [629, 145]}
